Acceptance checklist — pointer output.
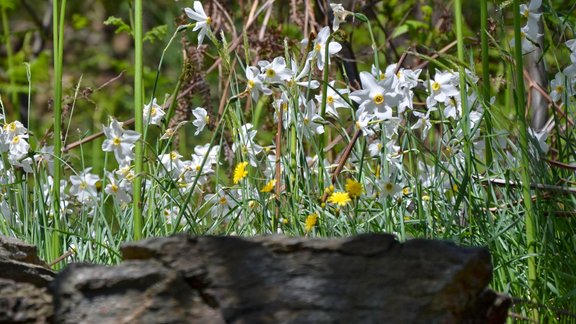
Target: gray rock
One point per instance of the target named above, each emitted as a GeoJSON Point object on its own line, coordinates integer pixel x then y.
{"type": "Point", "coordinates": [23, 281]}
{"type": "Point", "coordinates": [133, 292]}
{"type": "Point", "coordinates": [364, 279]}
{"type": "Point", "coordinates": [182, 279]}
{"type": "Point", "coordinates": [22, 302]}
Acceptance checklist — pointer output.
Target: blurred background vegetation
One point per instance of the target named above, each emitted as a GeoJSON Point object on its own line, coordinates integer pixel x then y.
{"type": "Point", "coordinates": [98, 48]}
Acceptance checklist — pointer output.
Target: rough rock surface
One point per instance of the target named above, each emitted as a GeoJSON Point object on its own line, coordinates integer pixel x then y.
{"type": "Point", "coordinates": [24, 278]}
{"type": "Point", "coordinates": [363, 279]}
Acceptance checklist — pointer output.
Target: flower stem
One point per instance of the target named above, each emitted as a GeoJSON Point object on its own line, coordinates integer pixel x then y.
{"type": "Point", "coordinates": [138, 220]}
{"type": "Point", "coordinates": [58, 43]}
{"type": "Point", "coordinates": [525, 165]}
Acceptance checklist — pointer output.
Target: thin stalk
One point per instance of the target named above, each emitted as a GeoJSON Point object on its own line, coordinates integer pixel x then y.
{"type": "Point", "coordinates": [486, 80]}
{"type": "Point", "coordinates": [486, 95]}
{"type": "Point", "coordinates": [138, 221]}
{"type": "Point", "coordinates": [525, 165]}
{"type": "Point", "coordinates": [58, 44]}
{"type": "Point", "coordinates": [465, 121]}
{"type": "Point", "coordinates": [324, 136]}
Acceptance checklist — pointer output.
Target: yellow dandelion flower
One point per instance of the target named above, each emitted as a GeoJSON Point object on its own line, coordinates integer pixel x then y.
{"type": "Point", "coordinates": [353, 188]}
{"type": "Point", "coordinates": [406, 191]}
{"type": "Point", "coordinates": [269, 186]}
{"type": "Point", "coordinates": [311, 221]}
{"type": "Point", "coordinates": [240, 172]}
{"type": "Point", "coordinates": [339, 198]}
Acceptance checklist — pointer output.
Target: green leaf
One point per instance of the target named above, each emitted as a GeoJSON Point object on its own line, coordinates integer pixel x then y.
{"type": "Point", "coordinates": [403, 29]}
{"type": "Point", "coordinates": [121, 26]}
{"type": "Point", "coordinates": [156, 33]}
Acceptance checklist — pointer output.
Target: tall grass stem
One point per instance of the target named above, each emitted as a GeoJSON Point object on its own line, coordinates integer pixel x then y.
{"type": "Point", "coordinates": [138, 221]}
{"type": "Point", "coordinates": [520, 104]}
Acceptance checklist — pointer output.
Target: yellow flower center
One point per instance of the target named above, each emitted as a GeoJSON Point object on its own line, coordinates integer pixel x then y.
{"type": "Point", "coordinates": [318, 47]}
{"type": "Point", "coordinates": [330, 100]}
{"type": "Point", "coordinates": [114, 187]}
{"type": "Point", "coordinates": [16, 140]}
{"type": "Point", "coordinates": [173, 156]}
{"type": "Point", "coordinates": [250, 84]}
{"type": "Point", "coordinates": [306, 121]}
{"type": "Point", "coordinates": [83, 185]}
{"type": "Point", "coordinates": [153, 111]}
{"type": "Point", "coordinates": [560, 89]}
{"type": "Point", "coordinates": [435, 86]}
{"type": "Point", "coordinates": [223, 200]}
{"type": "Point", "coordinates": [389, 186]}
{"type": "Point", "coordinates": [207, 119]}
{"type": "Point", "coordinates": [379, 99]}
{"type": "Point", "coordinates": [208, 20]}
{"type": "Point", "coordinates": [116, 141]}
{"type": "Point", "coordinates": [382, 76]}
{"type": "Point", "coordinates": [197, 168]}
{"type": "Point", "coordinates": [270, 73]}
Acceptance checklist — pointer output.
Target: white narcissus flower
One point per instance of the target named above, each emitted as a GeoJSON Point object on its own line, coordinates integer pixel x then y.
{"type": "Point", "coordinates": [560, 87]}
{"type": "Point", "coordinates": [118, 188]}
{"type": "Point", "coordinates": [171, 163]}
{"type": "Point", "coordinates": [254, 83]}
{"type": "Point", "coordinates": [340, 15]}
{"type": "Point", "coordinates": [453, 108]}
{"type": "Point", "coordinates": [120, 141]}
{"type": "Point", "coordinates": [153, 113]}
{"type": "Point", "coordinates": [423, 120]}
{"type": "Point", "coordinates": [443, 87]}
{"type": "Point", "coordinates": [275, 72]}
{"type": "Point", "coordinates": [363, 119]}
{"type": "Point", "coordinates": [375, 97]}
{"type": "Point", "coordinates": [223, 200]}
{"type": "Point", "coordinates": [282, 105]}
{"type": "Point", "coordinates": [246, 144]}
{"type": "Point", "coordinates": [319, 50]}
{"type": "Point", "coordinates": [310, 122]}
{"type": "Point", "coordinates": [45, 158]}
{"type": "Point", "coordinates": [84, 186]}
{"type": "Point", "coordinates": [312, 84]}
{"type": "Point", "coordinates": [203, 21]}
{"type": "Point", "coordinates": [203, 150]}
{"type": "Point", "coordinates": [531, 13]}
{"type": "Point", "coordinates": [571, 44]}
{"type": "Point", "coordinates": [388, 188]}
{"type": "Point", "coordinates": [334, 99]}
{"type": "Point", "coordinates": [540, 139]}
{"type": "Point", "coordinates": [529, 37]}
{"type": "Point", "coordinates": [18, 146]}
{"type": "Point", "coordinates": [201, 120]}
{"type": "Point", "coordinates": [8, 132]}
{"type": "Point", "coordinates": [375, 148]}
